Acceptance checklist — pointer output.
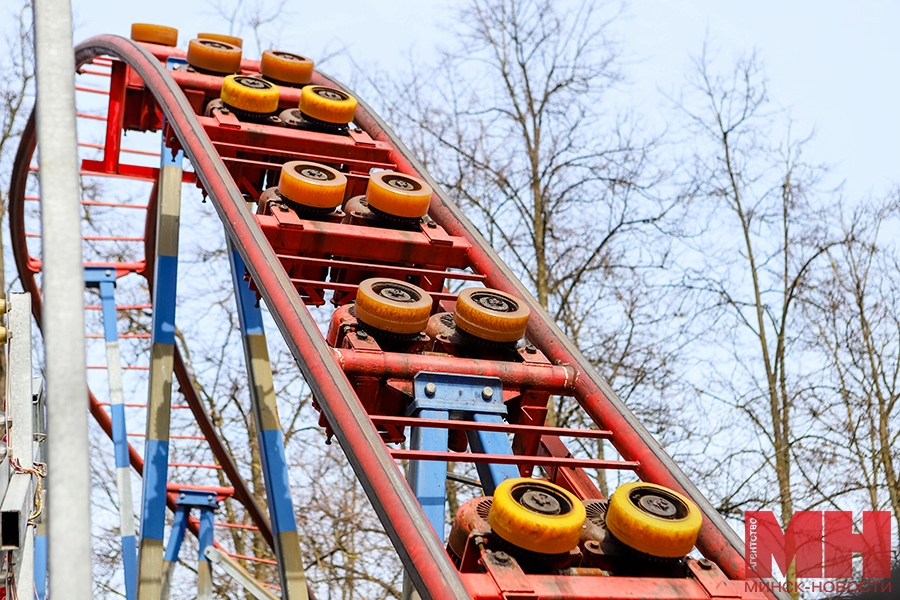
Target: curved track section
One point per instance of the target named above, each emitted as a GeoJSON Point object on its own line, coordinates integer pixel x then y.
{"type": "Point", "coordinates": [337, 372]}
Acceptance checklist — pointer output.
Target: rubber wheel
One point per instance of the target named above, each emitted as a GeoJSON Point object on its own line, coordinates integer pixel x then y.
{"type": "Point", "coordinates": [398, 194]}
{"type": "Point", "coordinates": [327, 104]}
{"type": "Point", "coordinates": [219, 37]}
{"type": "Point", "coordinates": [215, 56]}
{"type": "Point", "coordinates": [154, 34]}
{"type": "Point", "coordinates": [536, 515]}
{"type": "Point", "coordinates": [287, 67]}
{"type": "Point", "coordinates": [491, 315]}
{"type": "Point", "coordinates": [312, 184]}
{"type": "Point", "coordinates": [394, 306]}
{"type": "Point", "coordinates": [250, 94]}
{"type": "Point", "coordinates": [653, 519]}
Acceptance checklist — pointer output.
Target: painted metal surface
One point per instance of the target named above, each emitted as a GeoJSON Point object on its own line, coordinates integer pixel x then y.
{"type": "Point", "coordinates": [105, 280]}
{"type": "Point", "coordinates": [162, 349]}
{"type": "Point", "coordinates": [269, 435]}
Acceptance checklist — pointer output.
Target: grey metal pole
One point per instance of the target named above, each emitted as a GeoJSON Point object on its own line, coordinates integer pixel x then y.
{"type": "Point", "coordinates": [69, 528]}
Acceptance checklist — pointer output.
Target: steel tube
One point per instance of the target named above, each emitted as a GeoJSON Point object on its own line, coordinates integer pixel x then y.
{"type": "Point", "coordinates": [553, 379]}
{"type": "Point", "coordinates": [69, 514]}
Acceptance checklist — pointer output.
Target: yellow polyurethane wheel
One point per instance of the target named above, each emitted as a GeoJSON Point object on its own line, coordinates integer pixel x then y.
{"type": "Point", "coordinates": [286, 67]}
{"type": "Point", "coordinates": [312, 184]}
{"type": "Point", "coordinates": [327, 104]}
{"type": "Point", "coordinates": [250, 94]}
{"type": "Point", "coordinates": [398, 194]}
{"type": "Point", "coordinates": [392, 305]}
{"type": "Point", "coordinates": [491, 315]}
{"type": "Point", "coordinates": [154, 34]}
{"type": "Point", "coordinates": [653, 519]}
{"type": "Point", "coordinates": [537, 515]}
{"type": "Point", "coordinates": [215, 56]}
{"type": "Point", "coordinates": [220, 37]}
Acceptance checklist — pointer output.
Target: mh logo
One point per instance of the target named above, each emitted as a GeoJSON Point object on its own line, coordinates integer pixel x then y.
{"type": "Point", "coordinates": [822, 542]}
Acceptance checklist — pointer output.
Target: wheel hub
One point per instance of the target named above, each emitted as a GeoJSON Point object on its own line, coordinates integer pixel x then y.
{"type": "Point", "coordinates": [401, 183]}
{"type": "Point", "coordinates": [494, 302]}
{"type": "Point", "coordinates": [330, 94]}
{"type": "Point", "coordinates": [658, 504]}
{"type": "Point", "coordinates": [313, 173]}
{"type": "Point", "coordinates": [253, 83]}
{"type": "Point", "coordinates": [397, 293]}
{"type": "Point", "coordinates": [217, 45]}
{"type": "Point", "coordinates": [289, 56]}
{"type": "Point", "coordinates": [540, 502]}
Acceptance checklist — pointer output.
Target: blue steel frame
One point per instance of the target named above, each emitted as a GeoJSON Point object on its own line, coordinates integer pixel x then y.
{"type": "Point", "coordinates": [156, 448]}
{"type": "Point", "coordinates": [105, 279]}
{"type": "Point", "coordinates": [269, 435]}
{"type": "Point", "coordinates": [460, 397]}
{"type": "Point", "coordinates": [207, 503]}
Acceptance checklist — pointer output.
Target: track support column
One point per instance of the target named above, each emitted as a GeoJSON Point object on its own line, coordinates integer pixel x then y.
{"type": "Point", "coordinates": [269, 436]}
{"type": "Point", "coordinates": [156, 448]}
{"type": "Point", "coordinates": [105, 279]}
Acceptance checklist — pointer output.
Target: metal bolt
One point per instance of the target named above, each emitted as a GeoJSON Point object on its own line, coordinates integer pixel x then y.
{"type": "Point", "coordinates": [362, 335]}
{"type": "Point", "coordinates": [705, 564]}
{"type": "Point", "coordinates": [210, 497]}
{"type": "Point", "coordinates": [487, 393]}
{"type": "Point", "coordinates": [430, 389]}
{"type": "Point", "coordinates": [432, 225]}
{"type": "Point", "coordinates": [530, 349]}
{"type": "Point", "coordinates": [501, 557]}
{"type": "Point", "coordinates": [108, 272]}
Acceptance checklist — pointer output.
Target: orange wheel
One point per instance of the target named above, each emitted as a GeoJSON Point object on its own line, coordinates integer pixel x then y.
{"type": "Point", "coordinates": [312, 184]}
{"type": "Point", "coordinates": [394, 306]}
{"type": "Point", "coordinates": [326, 104]}
{"type": "Point", "coordinates": [286, 67]}
{"type": "Point", "coordinates": [218, 37]}
{"type": "Point", "coordinates": [154, 34]}
{"type": "Point", "coordinates": [214, 56]}
{"type": "Point", "coordinates": [653, 519]}
{"type": "Point", "coordinates": [250, 94]}
{"type": "Point", "coordinates": [491, 315]}
{"type": "Point", "coordinates": [398, 195]}
{"type": "Point", "coordinates": [536, 515]}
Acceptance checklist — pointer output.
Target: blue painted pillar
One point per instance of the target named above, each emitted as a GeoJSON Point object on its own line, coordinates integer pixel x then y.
{"type": "Point", "coordinates": [428, 479]}
{"type": "Point", "coordinates": [156, 448]}
{"type": "Point", "coordinates": [269, 435]}
{"type": "Point", "coordinates": [105, 279]}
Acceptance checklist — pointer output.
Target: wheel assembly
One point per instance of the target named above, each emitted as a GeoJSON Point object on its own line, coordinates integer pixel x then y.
{"type": "Point", "coordinates": [537, 516]}
{"type": "Point", "coordinates": [398, 195]}
{"type": "Point", "coordinates": [219, 37]}
{"type": "Point", "coordinates": [653, 519]}
{"type": "Point", "coordinates": [286, 68]}
{"type": "Point", "coordinates": [214, 57]}
{"type": "Point", "coordinates": [154, 34]}
{"type": "Point", "coordinates": [326, 105]}
{"type": "Point", "coordinates": [312, 185]}
{"type": "Point", "coordinates": [393, 306]}
{"type": "Point", "coordinates": [491, 315]}
{"type": "Point", "coordinates": [252, 95]}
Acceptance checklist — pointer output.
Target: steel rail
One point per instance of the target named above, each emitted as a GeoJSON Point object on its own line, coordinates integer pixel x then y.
{"type": "Point", "coordinates": [433, 574]}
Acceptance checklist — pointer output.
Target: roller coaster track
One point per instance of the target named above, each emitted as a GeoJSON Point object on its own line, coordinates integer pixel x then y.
{"type": "Point", "coordinates": [231, 161]}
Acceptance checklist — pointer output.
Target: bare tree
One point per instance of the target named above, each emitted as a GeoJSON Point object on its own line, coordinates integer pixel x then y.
{"type": "Point", "coordinates": [16, 79]}
{"type": "Point", "coordinates": [758, 233]}
{"type": "Point", "coordinates": [856, 309]}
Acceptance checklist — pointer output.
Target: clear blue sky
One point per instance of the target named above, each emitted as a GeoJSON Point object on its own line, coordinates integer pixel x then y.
{"type": "Point", "coordinates": [831, 63]}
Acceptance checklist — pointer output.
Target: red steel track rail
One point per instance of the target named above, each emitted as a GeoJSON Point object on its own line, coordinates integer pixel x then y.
{"type": "Point", "coordinates": [326, 369]}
